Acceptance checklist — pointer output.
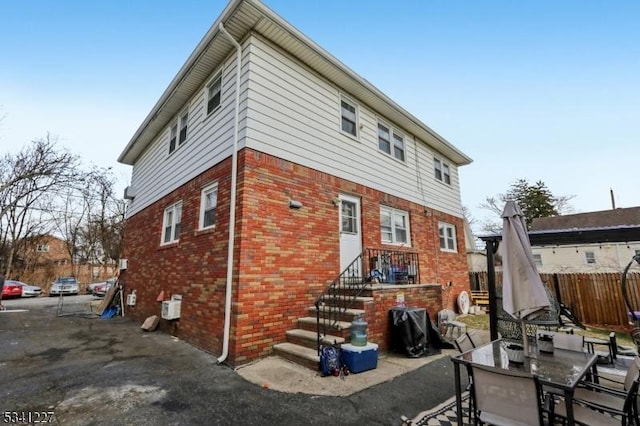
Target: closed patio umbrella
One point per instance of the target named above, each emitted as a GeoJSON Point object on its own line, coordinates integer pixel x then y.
{"type": "Point", "coordinates": [523, 294]}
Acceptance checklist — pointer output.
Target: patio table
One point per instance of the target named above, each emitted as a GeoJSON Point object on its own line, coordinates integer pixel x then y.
{"type": "Point", "coordinates": [562, 369]}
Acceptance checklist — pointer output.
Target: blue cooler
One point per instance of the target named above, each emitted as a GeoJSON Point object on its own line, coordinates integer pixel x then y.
{"type": "Point", "coordinates": [360, 358]}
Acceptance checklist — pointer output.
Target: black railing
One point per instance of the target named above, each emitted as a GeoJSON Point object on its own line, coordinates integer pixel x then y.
{"type": "Point", "coordinates": [370, 267]}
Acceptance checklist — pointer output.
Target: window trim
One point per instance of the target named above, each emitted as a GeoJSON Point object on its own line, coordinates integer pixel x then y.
{"type": "Point", "coordinates": [392, 213]}
{"type": "Point", "coordinates": [173, 138]}
{"type": "Point", "coordinates": [217, 76]}
{"type": "Point", "coordinates": [205, 190]}
{"type": "Point", "coordinates": [397, 135]}
{"type": "Point", "coordinates": [183, 119]}
{"type": "Point", "coordinates": [356, 121]}
{"type": "Point", "coordinates": [442, 168]}
{"type": "Point", "coordinates": [537, 259]}
{"type": "Point", "coordinates": [454, 238]}
{"type": "Point", "coordinates": [590, 255]}
{"type": "Point", "coordinates": [394, 135]}
{"type": "Point", "coordinates": [173, 208]}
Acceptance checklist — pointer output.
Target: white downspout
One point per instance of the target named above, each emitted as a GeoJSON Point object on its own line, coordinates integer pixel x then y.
{"type": "Point", "coordinates": [232, 208]}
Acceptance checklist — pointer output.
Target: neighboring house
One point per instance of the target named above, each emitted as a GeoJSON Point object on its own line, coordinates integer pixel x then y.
{"type": "Point", "coordinates": [589, 257]}
{"type": "Point", "coordinates": [45, 257]}
{"type": "Point", "coordinates": [476, 255]}
{"type": "Point", "coordinates": [327, 167]}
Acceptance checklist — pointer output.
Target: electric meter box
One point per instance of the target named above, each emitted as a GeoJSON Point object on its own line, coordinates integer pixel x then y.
{"type": "Point", "coordinates": [171, 309]}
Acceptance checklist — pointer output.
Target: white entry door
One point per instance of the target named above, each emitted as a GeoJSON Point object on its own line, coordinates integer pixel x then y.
{"type": "Point", "coordinates": [350, 230]}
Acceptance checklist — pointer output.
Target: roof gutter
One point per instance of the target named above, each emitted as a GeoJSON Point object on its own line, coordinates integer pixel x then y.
{"type": "Point", "coordinates": [232, 207]}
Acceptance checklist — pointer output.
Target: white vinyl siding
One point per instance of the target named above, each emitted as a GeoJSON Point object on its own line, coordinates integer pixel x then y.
{"type": "Point", "coordinates": [171, 223]}
{"type": "Point", "coordinates": [208, 205]}
{"type": "Point", "coordinates": [447, 237]}
{"type": "Point", "coordinates": [292, 115]}
{"type": "Point", "coordinates": [394, 226]}
{"type": "Point", "coordinates": [209, 142]}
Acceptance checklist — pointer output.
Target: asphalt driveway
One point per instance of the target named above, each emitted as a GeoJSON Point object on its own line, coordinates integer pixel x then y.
{"type": "Point", "coordinates": [95, 371]}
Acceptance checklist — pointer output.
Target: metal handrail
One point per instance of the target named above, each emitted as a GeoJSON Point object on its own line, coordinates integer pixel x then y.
{"type": "Point", "coordinates": [371, 266]}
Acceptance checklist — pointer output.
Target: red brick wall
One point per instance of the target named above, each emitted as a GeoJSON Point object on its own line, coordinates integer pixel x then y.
{"type": "Point", "coordinates": [284, 257]}
{"type": "Point", "coordinates": [377, 315]}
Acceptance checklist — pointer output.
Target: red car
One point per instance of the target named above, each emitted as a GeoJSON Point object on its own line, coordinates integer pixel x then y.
{"type": "Point", "coordinates": [11, 290]}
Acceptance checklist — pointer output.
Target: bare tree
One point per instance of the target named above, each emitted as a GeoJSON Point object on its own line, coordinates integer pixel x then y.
{"type": "Point", "coordinates": [26, 178]}
{"type": "Point", "coordinates": [101, 234]}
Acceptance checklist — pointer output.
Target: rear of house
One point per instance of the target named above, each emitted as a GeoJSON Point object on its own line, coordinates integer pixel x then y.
{"type": "Point", "coordinates": [327, 168]}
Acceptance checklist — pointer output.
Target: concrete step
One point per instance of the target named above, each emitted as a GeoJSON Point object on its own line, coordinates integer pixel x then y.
{"type": "Point", "coordinates": [357, 300]}
{"type": "Point", "coordinates": [349, 314]}
{"type": "Point", "coordinates": [301, 355]}
{"type": "Point", "coordinates": [309, 339]}
{"type": "Point", "coordinates": [310, 323]}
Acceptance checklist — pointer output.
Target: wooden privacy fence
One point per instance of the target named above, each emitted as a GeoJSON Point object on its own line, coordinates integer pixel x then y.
{"type": "Point", "coordinates": [596, 299]}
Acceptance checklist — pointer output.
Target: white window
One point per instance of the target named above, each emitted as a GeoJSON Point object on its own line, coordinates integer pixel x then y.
{"type": "Point", "coordinates": [214, 90]}
{"type": "Point", "coordinates": [171, 223]}
{"type": "Point", "coordinates": [590, 257]}
{"type": "Point", "coordinates": [349, 113]}
{"type": "Point", "coordinates": [537, 259]}
{"type": "Point", "coordinates": [43, 248]}
{"type": "Point", "coordinates": [384, 141]}
{"type": "Point", "coordinates": [398, 147]}
{"type": "Point", "coordinates": [394, 226]}
{"type": "Point", "coordinates": [184, 123]}
{"type": "Point", "coordinates": [441, 170]}
{"type": "Point", "coordinates": [208, 204]}
{"type": "Point", "coordinates": [447, 236]}
{"type": "Point", "coordinates": [173, 137]}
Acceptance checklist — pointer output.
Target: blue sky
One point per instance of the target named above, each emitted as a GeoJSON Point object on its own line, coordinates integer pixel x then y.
{"type": "Point", "coordinates": [542, 90]}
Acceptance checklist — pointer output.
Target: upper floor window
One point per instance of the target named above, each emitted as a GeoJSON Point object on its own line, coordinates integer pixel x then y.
{"type": "Point", "coordinates": [590, 257]}
{"type": "Point", "coordinates": [398, 147]}
{"type": "Point", "coordinates": [173, 137]}
{"type": "Point", "coordinates": [349, 112]}
{"type": "Point", "coordinates": [171, 223]}
{"type": "Point", "coordinates": [208, 204]}
{"type": "Point", "coordinates": [184, 123]}
{"type": "Point", "coordinates": [214, 90]}
{"type": "Point", "coordinates": [384, 138]}
{"type": "Point", "coordinates": [441, 170]}
{"type": "Point", "coordinates": [385, 135]}
{"type": "Point", "coordinates": [394, 226]}
{"type": "Point", "coordinates": [42, 248]}
{"type": "Point", "coordinates": [537, 259]}
{"type": "Point", "coordinates": [447, 236]}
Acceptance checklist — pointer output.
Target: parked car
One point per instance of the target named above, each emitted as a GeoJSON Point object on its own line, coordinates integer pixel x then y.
{"type": "Point", "coordinates": [92, 287]}
{"type": "Point", "coordinates": [27, 290]}
{"type": "Point", "coordinates": [64, 285]}
{"type": "Point", "coordinates": [102, 289]}
{"type": "Point", "coordinates": [11, 290]}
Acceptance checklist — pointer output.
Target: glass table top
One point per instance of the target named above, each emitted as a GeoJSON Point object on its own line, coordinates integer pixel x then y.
{"type": "Point", "coordinates": [561, 368]}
